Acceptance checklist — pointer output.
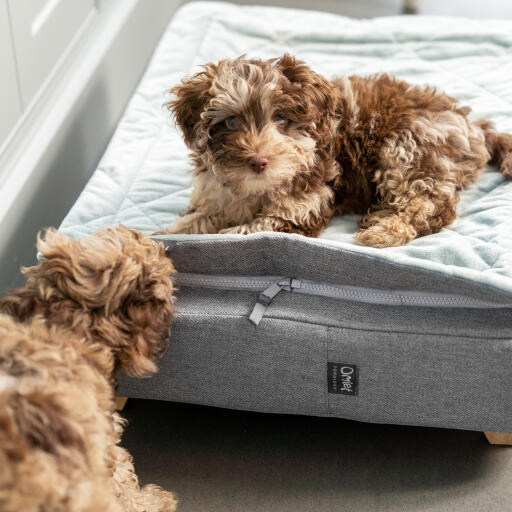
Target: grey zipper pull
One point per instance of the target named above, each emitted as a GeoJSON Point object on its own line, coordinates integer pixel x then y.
{"type": "Point", "coordinates": [267, 296]}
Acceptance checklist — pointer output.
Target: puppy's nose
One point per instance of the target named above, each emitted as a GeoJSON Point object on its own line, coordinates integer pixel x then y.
{"type": "Point", "coordinates": [258, 164]}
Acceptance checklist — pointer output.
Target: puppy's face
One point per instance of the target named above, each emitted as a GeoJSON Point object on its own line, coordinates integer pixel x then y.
{"type": "Point", "coordinates": [254, 124]}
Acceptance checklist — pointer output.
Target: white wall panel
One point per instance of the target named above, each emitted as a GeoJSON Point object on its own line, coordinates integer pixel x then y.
{"type": "Point", "coordinates": [10, 103]}
{"type": "Point", "coordinates": [55, 151]}
{"type": "Point", "coordinates": [42, 30]}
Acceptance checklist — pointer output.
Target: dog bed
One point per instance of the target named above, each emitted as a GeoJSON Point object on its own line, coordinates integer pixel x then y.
{"type": "Point", "coordinates": [418, 335]}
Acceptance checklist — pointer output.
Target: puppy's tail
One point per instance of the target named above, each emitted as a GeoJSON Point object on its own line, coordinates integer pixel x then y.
{"type": "Point", "coordinates": [499, 146]}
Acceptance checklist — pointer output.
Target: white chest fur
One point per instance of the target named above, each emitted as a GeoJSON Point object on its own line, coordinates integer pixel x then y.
{"type": "Point", "coordinates": [211, 195]}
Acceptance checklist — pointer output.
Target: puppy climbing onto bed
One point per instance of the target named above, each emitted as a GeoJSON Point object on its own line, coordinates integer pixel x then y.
{"type": "Point", "coordinates": [93, 306]}
{"type": "Point", "coordinates": [277, 147]}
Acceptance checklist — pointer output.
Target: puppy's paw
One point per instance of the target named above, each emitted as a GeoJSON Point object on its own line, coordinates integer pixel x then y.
{"type": "Point", "coordinates": [170, 230]}
{"type": "Point", "coordinates": [242, 229]}
{"type": "Point", "coordinates": [157, 499]}
{"type": "Point", "coordinates": [506, 166]}
{"type": "Point", "coordinates": [386, 232]}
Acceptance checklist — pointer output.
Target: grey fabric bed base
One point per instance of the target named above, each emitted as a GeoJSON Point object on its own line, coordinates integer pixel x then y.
{"type": "Point", "coordinates": [316, 355]}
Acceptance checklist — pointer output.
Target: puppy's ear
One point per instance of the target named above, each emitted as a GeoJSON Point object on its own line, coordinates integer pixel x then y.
{"type": "Point", "coordinates": [311, 90]}
{"type": "Point", "coordinates": [190, 98]}
{"type": "Point", "coordinates": [149, 324]}
{"type": "Point", "coordinates": [137, 318]}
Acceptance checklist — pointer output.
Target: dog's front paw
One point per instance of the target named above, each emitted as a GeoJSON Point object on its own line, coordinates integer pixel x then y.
{"type": "Point", "coordinates": [242, 229]}
{"type": "Point", "coordinates": [386, 232]}
{"type": "Point", "coordinates": [175, 229]}
{"type": "Point", "coordinates": [506, 166]}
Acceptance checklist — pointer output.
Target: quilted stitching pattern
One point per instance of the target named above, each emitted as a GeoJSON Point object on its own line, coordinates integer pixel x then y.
{"type": "Point", "coordinates": [142, 179]}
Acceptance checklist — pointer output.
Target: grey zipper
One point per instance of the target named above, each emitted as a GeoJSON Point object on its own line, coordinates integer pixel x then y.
{"type": "Point", "coordinates": [270, 287]}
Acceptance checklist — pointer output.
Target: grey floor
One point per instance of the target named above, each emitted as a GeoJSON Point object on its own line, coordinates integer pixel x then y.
{"type": "Point", "coordinates": [218, 460]}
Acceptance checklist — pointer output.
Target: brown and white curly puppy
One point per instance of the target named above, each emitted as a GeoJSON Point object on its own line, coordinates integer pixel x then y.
{"type": "Point", "coordinates": [277, 147]}
{"type": "Point", "coordinates": [92, 306]}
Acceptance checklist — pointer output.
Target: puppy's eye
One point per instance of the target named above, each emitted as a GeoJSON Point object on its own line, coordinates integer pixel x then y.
{"type": "Point", "coordinates": [279, 118]}
{"type": "Point", "coordinates": [231, 123]}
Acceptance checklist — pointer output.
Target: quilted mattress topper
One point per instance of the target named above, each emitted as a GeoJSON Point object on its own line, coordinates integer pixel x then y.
{"type": "Point", "coordinates": [142, 180]}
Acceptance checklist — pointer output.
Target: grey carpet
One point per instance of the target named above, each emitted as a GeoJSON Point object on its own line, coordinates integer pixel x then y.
{"type": "Point", "coordinates": [218, 460]}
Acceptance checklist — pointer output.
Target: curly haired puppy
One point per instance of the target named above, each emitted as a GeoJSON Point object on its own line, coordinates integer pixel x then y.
{"type": "Point", "coordinates": [92, 306]}
{"type": "Point", "coordinates": [277, 147]}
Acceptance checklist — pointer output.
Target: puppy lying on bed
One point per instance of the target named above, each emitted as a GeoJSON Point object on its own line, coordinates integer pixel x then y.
{"type": "Point", "coordinates": [277, 147]}
{"type": "Point", "coordinates": [92, 306]}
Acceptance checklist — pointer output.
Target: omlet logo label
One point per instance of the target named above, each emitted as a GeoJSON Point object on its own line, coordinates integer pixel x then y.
{"type": "Point", "coordinates": [342, 378]}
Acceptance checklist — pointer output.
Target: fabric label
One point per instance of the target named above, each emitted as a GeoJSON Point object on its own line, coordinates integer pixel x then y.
{"type": "Point", "coordinates": [342, 378]}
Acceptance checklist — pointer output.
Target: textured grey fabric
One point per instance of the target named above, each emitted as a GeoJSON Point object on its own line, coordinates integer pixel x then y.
{"type": "Point", "coordinates": [287, 255]}
{"type": "Point", "coordinates": [417, 366]}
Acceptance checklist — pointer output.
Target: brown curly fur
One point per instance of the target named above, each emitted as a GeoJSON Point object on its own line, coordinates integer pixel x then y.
{"type": "Point", "coordinates": [397, 154]}
{"type": "Point", "coordinates": [92, 306]}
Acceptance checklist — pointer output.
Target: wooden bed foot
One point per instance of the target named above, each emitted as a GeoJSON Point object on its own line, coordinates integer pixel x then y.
{"type": "Point", "coordinates": [120, 402]}
{"type": "Point", "coordinates": [410, 6]}
{"type": "Point", "coordinates": [498, 438]}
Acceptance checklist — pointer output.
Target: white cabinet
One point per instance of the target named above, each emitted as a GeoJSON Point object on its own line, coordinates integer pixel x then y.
{"type": "Point", "coordinates": [10, 101]}
{"type": "Point", "coordinates": [41, 32]}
